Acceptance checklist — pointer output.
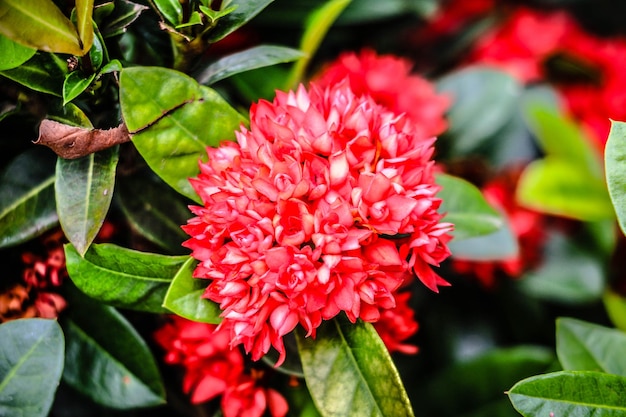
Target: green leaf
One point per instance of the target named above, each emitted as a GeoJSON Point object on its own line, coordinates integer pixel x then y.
{"type": "Point", "coordinates": [69, 114]}
{"type": "Point", "coordinates": [83, 189]}
{"type": "Point", "coordinates": [170, 124]}
{"type": "Point", "coordinates": [316, 26]}
{"type": "Point", "coordinates": [556, 186]}
{"type": "Point", "coordinates": [349, 372]}
{"type": "Point", "coordinates": [124, 14]}
{"type": "Point", "coordinates": [31, 366]}
{"type": "Point", "coordinates": [27, 207]}
{"type": "Point", "coordinates": [583, 346]}
{"type": "Point", "coordinates": [157, 215]}
{"type": "Point", "coordinates": [501, 244]}
{"type": "Point", "coordinates": [75, 84]}
{"type": "Point", "coordinates": [484, 101]}
{"type": "Point", "coordinates": [184, 297]}
{"type": "Point", "coordinates": [106, 359]}
{"type": "Point", "coordinates": [570, 393]}
{"type": "Point", "coordinates": [171, 10]}
{"type": "Point", "coordinates": [13, 54]}
{"type": "Point", "coordinates": [244, 12]}
{"type": "Point", "coordinates": [84, 13]}
{"type": "Point", "coordinates": [123, 277]}
{"type": "Point", "coordinates": [466, 208]}
{"type": "Point", "coordinates": [253, 58]}
{"type": "Point", "coordinates": [39, 24]}
{"type": "Point", "coordinates": [615, 305]}
{"type": "Point", "coordinates": [214, 15]}
{"type": "Point", "coordinates": [615, 167]}
{"type": "Point", "coordinates": [568, 274]}
{"type": "Point", "coordinates": [44, 72]}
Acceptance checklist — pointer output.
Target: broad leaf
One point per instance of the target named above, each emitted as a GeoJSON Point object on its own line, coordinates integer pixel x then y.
{"type": "Point", "coordinates": [170, 124]}
{"type": "Point", "coordinates": [583, 346]}
{"type": "Point", "coordinates": [615, 305]}
{"type": "Point", "coordinates": [244, 12]}
{"type": "Point", "coordinates": [171, 10]}
{"type": "Point", "coordinates": [31, 363]}
{"type": "Point", "coordinates": [256, 57]}
{"type": "Point", "coordinates": [184, 297]}
{"type": "Point", "coordinates": [13, 54]}
{"type": "Point", "coordinates": [125, 12]}
{"type": "Point", "coordinates": [570, 393]}
{"type": "Point", "coordinates": [27, 207]}
{"type": "Point", "coordinates": [349, 372]}
{"type": "Point", "coordinates": [39, 24]}
{"type": "Point", "coordinates": [44, 72]}
{"type": "Point", "coordinates": [84, 188]}
{"type": "Point", "coordinates": [123, 277]}
{"type": "Point", "coordinates": [615, 166]}
{"type": "Point", "coordinates": [75, 84]}
{"type": "Point", "coordinates": [106, 359]}
{"type": "Point", "coordinates": [84, 13]}
{"type": "Point", "coordinates": [556, 186]}
{"type": "Point", "coordinates": [466, 207]}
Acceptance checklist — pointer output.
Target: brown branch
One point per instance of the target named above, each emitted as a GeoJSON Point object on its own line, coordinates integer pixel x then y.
{"type": "Point", "coordinates": [71, 142]}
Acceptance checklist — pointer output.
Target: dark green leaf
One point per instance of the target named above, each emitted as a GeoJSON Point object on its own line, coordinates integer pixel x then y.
{"type": "Point", "coordinates": [31, 362]}
{"type": "Point", "coordinates": [583, 346]}
{"type": "Point", "coordinates": [557, 186]}
{"type": "Point", "coordinates": [244, 12]}
{"type": "Point", "coordinates": [171, 123]}
{"type": "Point", "coordinates": [260, 83]}
{"type": "Point", "coordinates": [570, 393]}
{"type": "Point", "coordinates": [184, 297]}
{"type": "Point", "coordinates": [123, 277]}
{"type": "Point", "coordinates": [27, 207]}
{"type": "Point", "coordinates": [171, 10]}
{"type": "Point", "coordinates": [349, 372]}
{"type": "Point", "coordinates": [13, 54]}
{"type": "Point", "coordinates": [106, 359]}
{"type": "Point", "coordinates": [615, 166]}
{"type": "Point", "coordinates": [84, 13]}
{"type": "Point", "coordinates": [44, 72]}
{"type": "Point", "coordinates": [39, 24]}
{"type": "Point", "coordinates": [615, 305]}
{"type": "Point", "coordinates": [466, 208]}
{"type": "Point", "coordinates": [75, 84]}
{"type": "Point", "coordinates": [69, 114]}
{"type": "Point", "coordinates": [256, 57]}
{"type": "Point", "coordinates": [124, 14]}
{"type": "Point", "coordinates": [83, 189]}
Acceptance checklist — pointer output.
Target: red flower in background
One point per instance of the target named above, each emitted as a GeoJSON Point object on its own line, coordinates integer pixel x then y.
{"type": "Point", "coordinates": [398, 324]}
{"type": "Point", "coordinates": [296, 215]}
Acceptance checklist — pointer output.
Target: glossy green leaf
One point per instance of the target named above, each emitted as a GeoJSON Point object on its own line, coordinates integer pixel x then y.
{"type": "Point", "coordinates": [75, 84]}
{"type": "Point", "coordinates": [556, 186]}
{"type": "Point", "coordinates": [123, 277]}
{"type": "Point", "coordinates": [184, 297]}
{"type": "Point", "coordinates": [171, 10]}
{"type": "Point", "coordinates": [256, 57]}
{"type": "Point", "coordinates": [349, 372]}
{"type": "Point", "coordinates": [69, 114]}
{"type": "Point", "coordinates": [570, 393]}
{"type": "Point", "coordinates": [484, 100]}
{"type": "Point", "coordinates": [44, 72]}
{"type": "Point", "coordinates": [106, 359]}
{"type": "Point", "coordinates": [84, 13]}
{"type": "Point", "coordinates": [124, 14]}
{"type": "Point", "coordinates": [244, 12]}
{"type": "Point", "coordinates": [615, 167]}
{"type": "Point", "coordinates": [83, 190]}
{"type": "Point", "coordinates": [27, 207]}
{"type": "Point", "coordinates": [568, 274]}
{"type": "Point", "coordinates": [170, 124]}
{"type": "Point", "coordinates": [13, 54]}
{"type": "Point", "coordinates": [157, 215]}
{"type": "Point", "coordinates": [31, 363]}
{"type": "Point", "coordinates": [615, 305]}
{"type": "Point", "coordinates": [316, 26]}
{"type": "Point", "coordinates": [39, 24]}
{"type": "Point", "coordinates": [466, 207]}
{"type": "Point", "coordinates": [583, 346]}
{"type": "Point", "coordinates": [214, 15]}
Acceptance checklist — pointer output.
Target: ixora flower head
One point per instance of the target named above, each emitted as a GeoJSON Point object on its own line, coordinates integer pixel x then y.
{"type": "Point", "coordinates": [324, 205]}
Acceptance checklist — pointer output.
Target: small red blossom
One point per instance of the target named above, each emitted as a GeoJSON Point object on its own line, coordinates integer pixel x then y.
{"type": "Point", "coordinates": [398, 324]}
{"type": "Point", "coordinates": [298, 215]}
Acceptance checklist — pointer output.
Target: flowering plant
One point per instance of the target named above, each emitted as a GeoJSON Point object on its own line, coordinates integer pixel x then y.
{"type": "Point", "coordinates": [399, 205]}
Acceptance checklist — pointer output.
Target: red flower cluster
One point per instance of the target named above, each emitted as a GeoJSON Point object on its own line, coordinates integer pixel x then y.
{"type": "Point", "coordinates": [323, 206]}
{"type": "Point", "coordinates": [213, 369]}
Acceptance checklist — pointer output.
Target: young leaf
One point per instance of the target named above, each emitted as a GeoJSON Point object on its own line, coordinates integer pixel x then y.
{"type": "Point", "coordinates": [106, 359]}
{"type": "Point", "coordinates": [39, 24]}
{"type": "Point", "coordinates": [27, 207]}
{"type": "Point", "coordinates": [466, 208]}
{"type": "Point", "coordinates": [44, 72]}
{"type": "Point", "coordinates": [349, 372]}
{"type": "Point", "coordinates": [123, 277]}
{"type": "Point", "coordinates": [31, 366]}
{"type": "Point", "coordinates": [171, 10]}
{"type": "Point", "coordinates": [615, 305]}
{"type": "Point", "coordinates": [583, 346]}
{"type": "Point", "coordinates": [615, 166]}
{"type": "Point", "coordinates": [244, 12]}
{"type": "Point", "coordinates": [75, 84]}
{"type": "Point", "coordinates": [84, 12]}
{"type": "Point", "coordinates": [253, 58]}
{"type": "Point", "coordinates": [83, 189]}
{"type": "Point", "coordinates": [570, 393]}
{"type": "Point", "coordinates": [184, 297]}
{"type": "Point", "coordinates": [170, 124]}
{"type": "Point", "coordinates": [13, 54]}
